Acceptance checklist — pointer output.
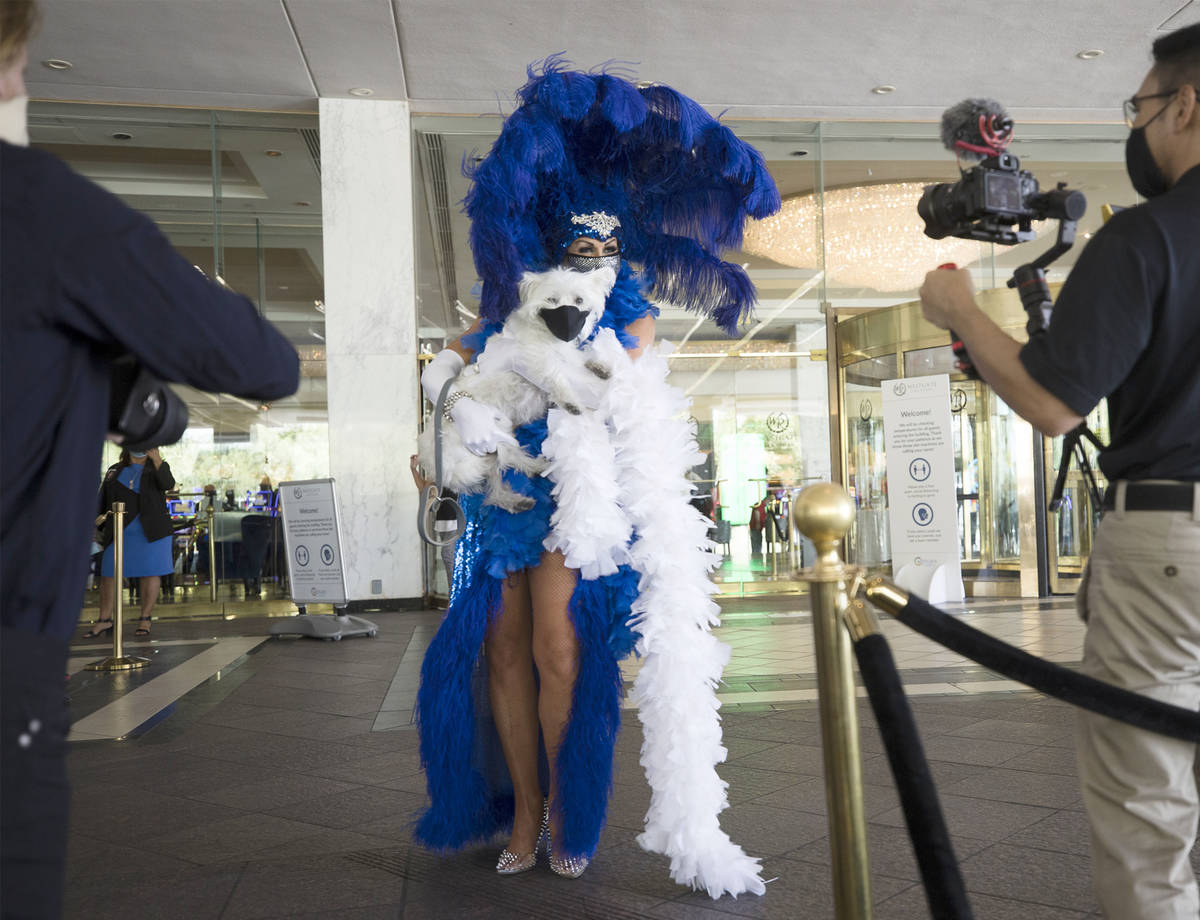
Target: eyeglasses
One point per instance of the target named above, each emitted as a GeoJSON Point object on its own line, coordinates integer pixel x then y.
{"type": "Point", "coordinates": [1132, 104]}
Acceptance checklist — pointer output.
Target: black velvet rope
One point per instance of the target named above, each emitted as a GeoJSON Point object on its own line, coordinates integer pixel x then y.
{"type": "Point", "coordinates": [1055, 680]}
{"type": "Point", "coordinates": [944, 888]}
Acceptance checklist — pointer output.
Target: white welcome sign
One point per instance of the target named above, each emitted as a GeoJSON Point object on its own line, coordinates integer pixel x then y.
{"type": "Point", "coordinates": [922, 495]}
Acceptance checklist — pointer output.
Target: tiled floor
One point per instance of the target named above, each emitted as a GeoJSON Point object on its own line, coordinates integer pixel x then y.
{"type": "Point", "coordinates": [283, 782]}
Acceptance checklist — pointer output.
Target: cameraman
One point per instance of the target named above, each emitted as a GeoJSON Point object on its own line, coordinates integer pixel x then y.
{"type": "Point", "coordinates": [1126, 326]}
{"type": "Point", "coordinates": [82, 279]}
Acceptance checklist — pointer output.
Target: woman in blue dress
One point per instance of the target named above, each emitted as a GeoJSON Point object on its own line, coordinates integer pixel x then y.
{"type": "Point", "coordinates": [589, 171]}
{"type": "Point", "coordinates": [141, 485]}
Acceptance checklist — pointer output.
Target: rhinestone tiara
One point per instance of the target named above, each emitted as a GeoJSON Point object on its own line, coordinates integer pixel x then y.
{"type": "Point", "coordinates": [600, 222]}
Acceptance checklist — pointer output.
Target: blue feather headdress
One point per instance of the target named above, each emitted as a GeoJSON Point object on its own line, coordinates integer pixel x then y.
{"type": "Point", "coordinates": [680, 183]}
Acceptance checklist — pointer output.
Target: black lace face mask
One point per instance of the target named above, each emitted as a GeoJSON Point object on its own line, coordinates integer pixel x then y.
{"type": "Point", "coordinates": [591, 263]}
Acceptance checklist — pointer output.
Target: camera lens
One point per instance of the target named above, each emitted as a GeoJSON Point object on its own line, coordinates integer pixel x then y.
{"type": "Point", "coordinates": [940, 210]}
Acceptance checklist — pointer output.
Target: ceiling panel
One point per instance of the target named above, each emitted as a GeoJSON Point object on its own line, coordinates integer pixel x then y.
{"type": "Point", "coordinates": [761, 59]}
{"type": "Point", "coordinates": [349, 44]}
{"type": "Point", "coordinates": [781, 58]}
{"type": "Point", "coordinates": [170, 51]}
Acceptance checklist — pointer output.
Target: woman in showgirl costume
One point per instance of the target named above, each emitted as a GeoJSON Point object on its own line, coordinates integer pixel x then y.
{"type": "Point", "coordinates": [591, 170]}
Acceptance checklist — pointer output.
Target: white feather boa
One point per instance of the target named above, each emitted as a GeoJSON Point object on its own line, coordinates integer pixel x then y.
{"type": "Point", "coordinates": [622, 470]}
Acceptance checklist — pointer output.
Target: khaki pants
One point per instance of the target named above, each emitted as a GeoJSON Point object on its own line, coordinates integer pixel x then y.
{"type": "Point", "coordinates": [1141, 600]}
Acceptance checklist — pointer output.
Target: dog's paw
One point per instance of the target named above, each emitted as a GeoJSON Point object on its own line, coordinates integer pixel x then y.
{"type": "Point", "coordinates": [510, 501]}
{"type": "Point", "coordinates": [599, 369]}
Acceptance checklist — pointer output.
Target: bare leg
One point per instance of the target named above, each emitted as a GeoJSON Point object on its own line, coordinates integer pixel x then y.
{"type": "Point", "coordinates": [107, 597]}
{"type": "Point", "coordinates": [103, 626]}
{"type": "Point", "coordinates": [514, 707]}
{"type": "Point", "coordinates": [555, 652]}
{"type": "Point", "coordinates": [151, 585]}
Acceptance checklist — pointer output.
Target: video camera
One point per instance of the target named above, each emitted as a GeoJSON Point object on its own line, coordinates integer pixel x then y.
{"type": "Point", "coordinates": [143, 412]}
{"type": "Point", "coordinates": [996, 202]}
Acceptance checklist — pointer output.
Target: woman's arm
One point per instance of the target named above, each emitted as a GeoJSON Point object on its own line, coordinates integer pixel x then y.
{"type": "Point", "coordinates": [419, 479]}
{"type": "Point", "coordinates": [162, 470]}
{"type": "Point", "coordinates": [447, 364]}
{"type": "Point", "coordinates": [462, 350]}
{"type": "Point", "coordinates": [642, 329]}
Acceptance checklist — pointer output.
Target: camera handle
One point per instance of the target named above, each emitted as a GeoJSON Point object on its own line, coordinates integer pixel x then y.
{"type": "Point", "coordinates": [962, 360]}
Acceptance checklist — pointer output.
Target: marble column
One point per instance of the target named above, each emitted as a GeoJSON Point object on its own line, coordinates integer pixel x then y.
{"type": "Point", "coordinates": [371, 342]}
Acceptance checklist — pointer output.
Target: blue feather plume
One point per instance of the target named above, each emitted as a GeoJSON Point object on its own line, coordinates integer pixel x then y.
{"type": "Point", "coordinates": [652, 156]}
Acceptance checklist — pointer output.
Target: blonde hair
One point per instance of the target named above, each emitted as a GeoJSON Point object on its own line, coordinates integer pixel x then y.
{"type": "Point", "coordinates": [18, 19]}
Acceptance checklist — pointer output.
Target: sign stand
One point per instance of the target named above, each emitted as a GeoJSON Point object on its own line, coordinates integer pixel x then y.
{"type": "Point", "coordinates": [313, 546]}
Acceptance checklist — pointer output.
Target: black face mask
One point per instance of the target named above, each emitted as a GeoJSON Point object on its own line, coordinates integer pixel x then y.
{"type": "Point", "coordinates": [565, 322]}
{"type": "Point", "coordinates": [1148, 180]}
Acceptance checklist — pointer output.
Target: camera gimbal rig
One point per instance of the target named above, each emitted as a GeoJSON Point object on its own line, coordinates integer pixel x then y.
{"type": "Point", "coordinates": [1029, 280]}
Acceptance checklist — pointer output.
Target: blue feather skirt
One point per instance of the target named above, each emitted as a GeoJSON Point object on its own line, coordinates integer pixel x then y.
{"type": "Point", "coordinates": [468, 783]}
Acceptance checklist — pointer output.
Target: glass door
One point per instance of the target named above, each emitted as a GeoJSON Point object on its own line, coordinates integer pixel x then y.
{"type": "Point", "coordinates": [869, 543]}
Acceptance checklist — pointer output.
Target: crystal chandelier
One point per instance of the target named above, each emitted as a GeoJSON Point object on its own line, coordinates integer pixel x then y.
{"type": "Point", "coordinates": [873, 237]}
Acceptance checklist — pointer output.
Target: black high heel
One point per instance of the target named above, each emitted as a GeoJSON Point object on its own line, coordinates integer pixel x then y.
{"type": "Point", "coordinates": [97, 632]}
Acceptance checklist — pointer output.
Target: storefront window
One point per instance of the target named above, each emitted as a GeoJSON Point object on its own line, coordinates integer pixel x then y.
{"type": "Point", "coordinates": [239, 195]}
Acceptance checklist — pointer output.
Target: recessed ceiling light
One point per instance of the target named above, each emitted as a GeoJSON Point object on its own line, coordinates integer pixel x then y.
{"type": "Point", "coordinates": [362, 91]}
{"type": "Point", "coordinates": [122, 136]}
{"type": "Point", "coordinates": [273, 153]}
{"type": "Point", "coordinates": [1090, 54]}
{"type": "Point", "coordinates": [57, 64]}
{"type": "Point", "coordinates": [883, 89]}
{"type": "Point", "coordinates": [283, 287]}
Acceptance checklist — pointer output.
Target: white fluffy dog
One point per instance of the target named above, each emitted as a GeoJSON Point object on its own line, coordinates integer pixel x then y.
{"type": "Point", "coordinates": [536, 359]}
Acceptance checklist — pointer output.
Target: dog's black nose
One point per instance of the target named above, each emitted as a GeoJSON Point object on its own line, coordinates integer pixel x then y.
{"type": "Point", "coordinates": [566, 322]}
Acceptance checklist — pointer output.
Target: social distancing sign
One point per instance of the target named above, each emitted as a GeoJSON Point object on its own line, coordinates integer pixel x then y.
{"type": "Point", "coordinates": [922, 491]}
{"type": "Point", "coordinates": [314, 554]}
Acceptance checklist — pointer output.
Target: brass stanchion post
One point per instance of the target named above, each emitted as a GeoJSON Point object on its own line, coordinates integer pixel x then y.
{"type": "Point", "coordinates": [118, 661]}
{"type": "Point", "coordinates": [212, 554]}
{"type": "Point", "coordinates": [824, 514]}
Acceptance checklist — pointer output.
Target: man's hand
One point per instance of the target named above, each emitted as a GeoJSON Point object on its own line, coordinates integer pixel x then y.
{"type": "Point", "coordinates": [945, 295]}
{"type": "Point", "coordinates": [154, 456]}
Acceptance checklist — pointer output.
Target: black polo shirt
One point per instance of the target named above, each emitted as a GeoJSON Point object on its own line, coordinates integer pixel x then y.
{"type": "Point", "coordinates": [1126, 325]}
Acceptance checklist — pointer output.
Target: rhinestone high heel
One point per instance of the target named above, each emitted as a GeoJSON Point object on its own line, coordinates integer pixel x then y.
{"type": "Point", "coordinates": [567, 867]}
{"type": "Point", "coordinates": [511, 863]}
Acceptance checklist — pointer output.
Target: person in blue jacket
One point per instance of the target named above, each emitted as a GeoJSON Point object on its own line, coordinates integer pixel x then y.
{"type": "Point", "coordinates": [83, 279]}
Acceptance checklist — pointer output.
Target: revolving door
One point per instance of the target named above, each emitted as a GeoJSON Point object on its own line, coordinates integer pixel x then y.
{"type": "Point", "coordinates": [1010, 545]}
